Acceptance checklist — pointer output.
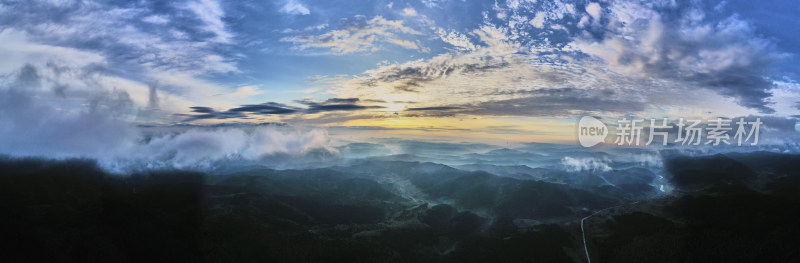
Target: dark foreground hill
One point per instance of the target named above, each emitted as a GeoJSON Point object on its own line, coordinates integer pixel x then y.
{"type": "Point", "coordinates": [740, 209]}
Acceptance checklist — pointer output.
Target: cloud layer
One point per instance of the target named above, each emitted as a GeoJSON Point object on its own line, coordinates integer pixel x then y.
{"type": "Point", "coordinates": [492, 68]}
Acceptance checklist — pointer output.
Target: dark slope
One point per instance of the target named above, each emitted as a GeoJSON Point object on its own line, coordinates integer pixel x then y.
{"type": "Point", "coordinates": [699, 172]}
{"type": "Point", "coordinates": [739, 208]}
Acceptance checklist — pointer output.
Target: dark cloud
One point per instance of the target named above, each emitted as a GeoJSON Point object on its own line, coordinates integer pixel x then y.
{"type": "Point", "coordinates": [266, 108]}
{"type": "Point", "coordinates": [337, 107]}
{"type": "Point", "coordinates": [342, 100]}
{"type": "Point", "coordinates": [274, 108]}
{"type": "Point", "coordinates": [778, 123]}
{"type": "Point", "coordinates": [541, 103]}
{"type": "Point", "coordinates": [57, 69]}
{"type": "Point", "coordinates": [441, 108]}
{"type": "Point", "coordinates": [209, 113]}
{"type": "Point", "coordinates": [152, 96]}
{"type": "Point", "coordinates": [556, 102]}
{"type": "Point", "coordinates": [549, 107]}
{"type": "Point", "coordinates": [29, 76]}
{"type": "Point", "coordinates": [746, 85]}
{"type": "Point", "coordinates": [202, 109]}
{"type": "Point", "coordinates": [409, 86]}
{"type": "Point", "coordinates": [334, 104]}
{"type": "Point", "coordinates": [60, 90]}
{"type": "Point", "coordinates": [216, 125]}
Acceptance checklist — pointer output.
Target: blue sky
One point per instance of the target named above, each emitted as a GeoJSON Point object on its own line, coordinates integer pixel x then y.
{"type": "Point", "coordinates": [493, 67]}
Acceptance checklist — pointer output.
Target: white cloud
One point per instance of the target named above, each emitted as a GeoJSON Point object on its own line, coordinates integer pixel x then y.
{"type": "Point", "coordinates": [585, 164]}
{"type": "Point", "coordinates": [156, 19]}
{"type": "Point", "coordinates": [70, 76]}
{"type": "Point", "coordinates": [538, 20]}
{"type": "Point", "coordinates": [786, 96]}
{"type": "Point", "coordinates": [594, 10]}
{"type": "Point", "coordinates": [169, 56]}
{"type": "Point", "coordinates": [246, 91]}
{"type": "Point", "coordinates": [362, 36]}
{"type": "Point", "coordinates": [18, 49]}
{"type": "Point", "coordinates": [201, 148]}
{"type": "Point", "coordinates": [727, 55]}
{"type": "Point", "coordinates": [544, 13]}
{"type": "Point", "coordinates": [32, 127]}
{"type": "Point", "coordinates": [458, 40]}
{"type": "Point", "coordinates": [294, 7]}
{"type": "Point", "coordinates": [433, 3]}
{"type": "Point", "coordinates": [210, 12]}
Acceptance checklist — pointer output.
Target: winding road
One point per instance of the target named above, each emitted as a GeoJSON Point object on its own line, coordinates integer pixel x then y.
{"type": "Point", "coordinates": [583, 233]}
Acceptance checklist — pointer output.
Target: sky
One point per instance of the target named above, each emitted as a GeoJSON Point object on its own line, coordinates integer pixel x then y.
{"type": "Point", "coordinates": [521, 71]}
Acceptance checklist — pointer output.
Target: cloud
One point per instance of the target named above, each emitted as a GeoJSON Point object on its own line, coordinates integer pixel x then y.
{"type": "Point", "coordinates": [358, 35]}
{"type": "Point", "coordinates": [684, 45]}
{"type": "Point", "coordinates": [561, 102]}
{"type": "Point", "coordinates": [456, 39]}
{"type": "Point", "coordinates": [294, 7]}
{"type": "Point", "coordinates": [242, 112]}
{"type": "Point", "coordinates": [152, 97]}
{"type": "Point", "coordinates": [100, 129]}
{"type": "Point", "coordinates": [534, 60]}
{"type": "Point", "coordinates": [211, 13]}
{"type": "Point", "coordinates": [633, 58]}
{"type": "Point", "coordinates": [594, 10]}
{"type": "Point", "coordinates": [203, 148]}
{"type": "Point", "coordinates": [440, 108]}
{"type": "Point", "coordinates": [274, 108]}
{"type": "Point", "coordinates": [266, 108]}
{"type": "Point", "coordinates": [38, 125]}
{"type": "Point", "coordinates": [409, 12]}
{"type": "Point", "coordinates": [156, 19]}
{"type": "Point", "coordinates": [585, 164]}
{"type": "Point", "coordinates": [210, 113]}
{"type": "Point", "coordinates": [69, 75]}
{"type": "Point", "coordinates": [335, 104]}
{"type": "Point", "coordinates": [131, 51]}
{"type": "Point", "coordinates": [433, 3]}
{"type": "Point", "coordinates": [18, 50]}
{"type": "Point", "coordinates": [532, 16]}
{"type": "Point", "coordinates": [538, 20]}
{"type": "Point", "coordinates": [496, 77]}
{"type": "Point", "coordinates": [245, 91]}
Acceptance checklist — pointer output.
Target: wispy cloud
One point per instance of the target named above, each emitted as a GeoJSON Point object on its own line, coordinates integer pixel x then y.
{"type": "Point", "coordinates": [359, 35]}
{"type": "Point", "coordinates": [211, 13]}
{"type": "Point", "coordinates": [630, 58]}
{"type": "Point", "coordinates": [294, 7]}
{"type": "Point", "coordinates": [127, 46]}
